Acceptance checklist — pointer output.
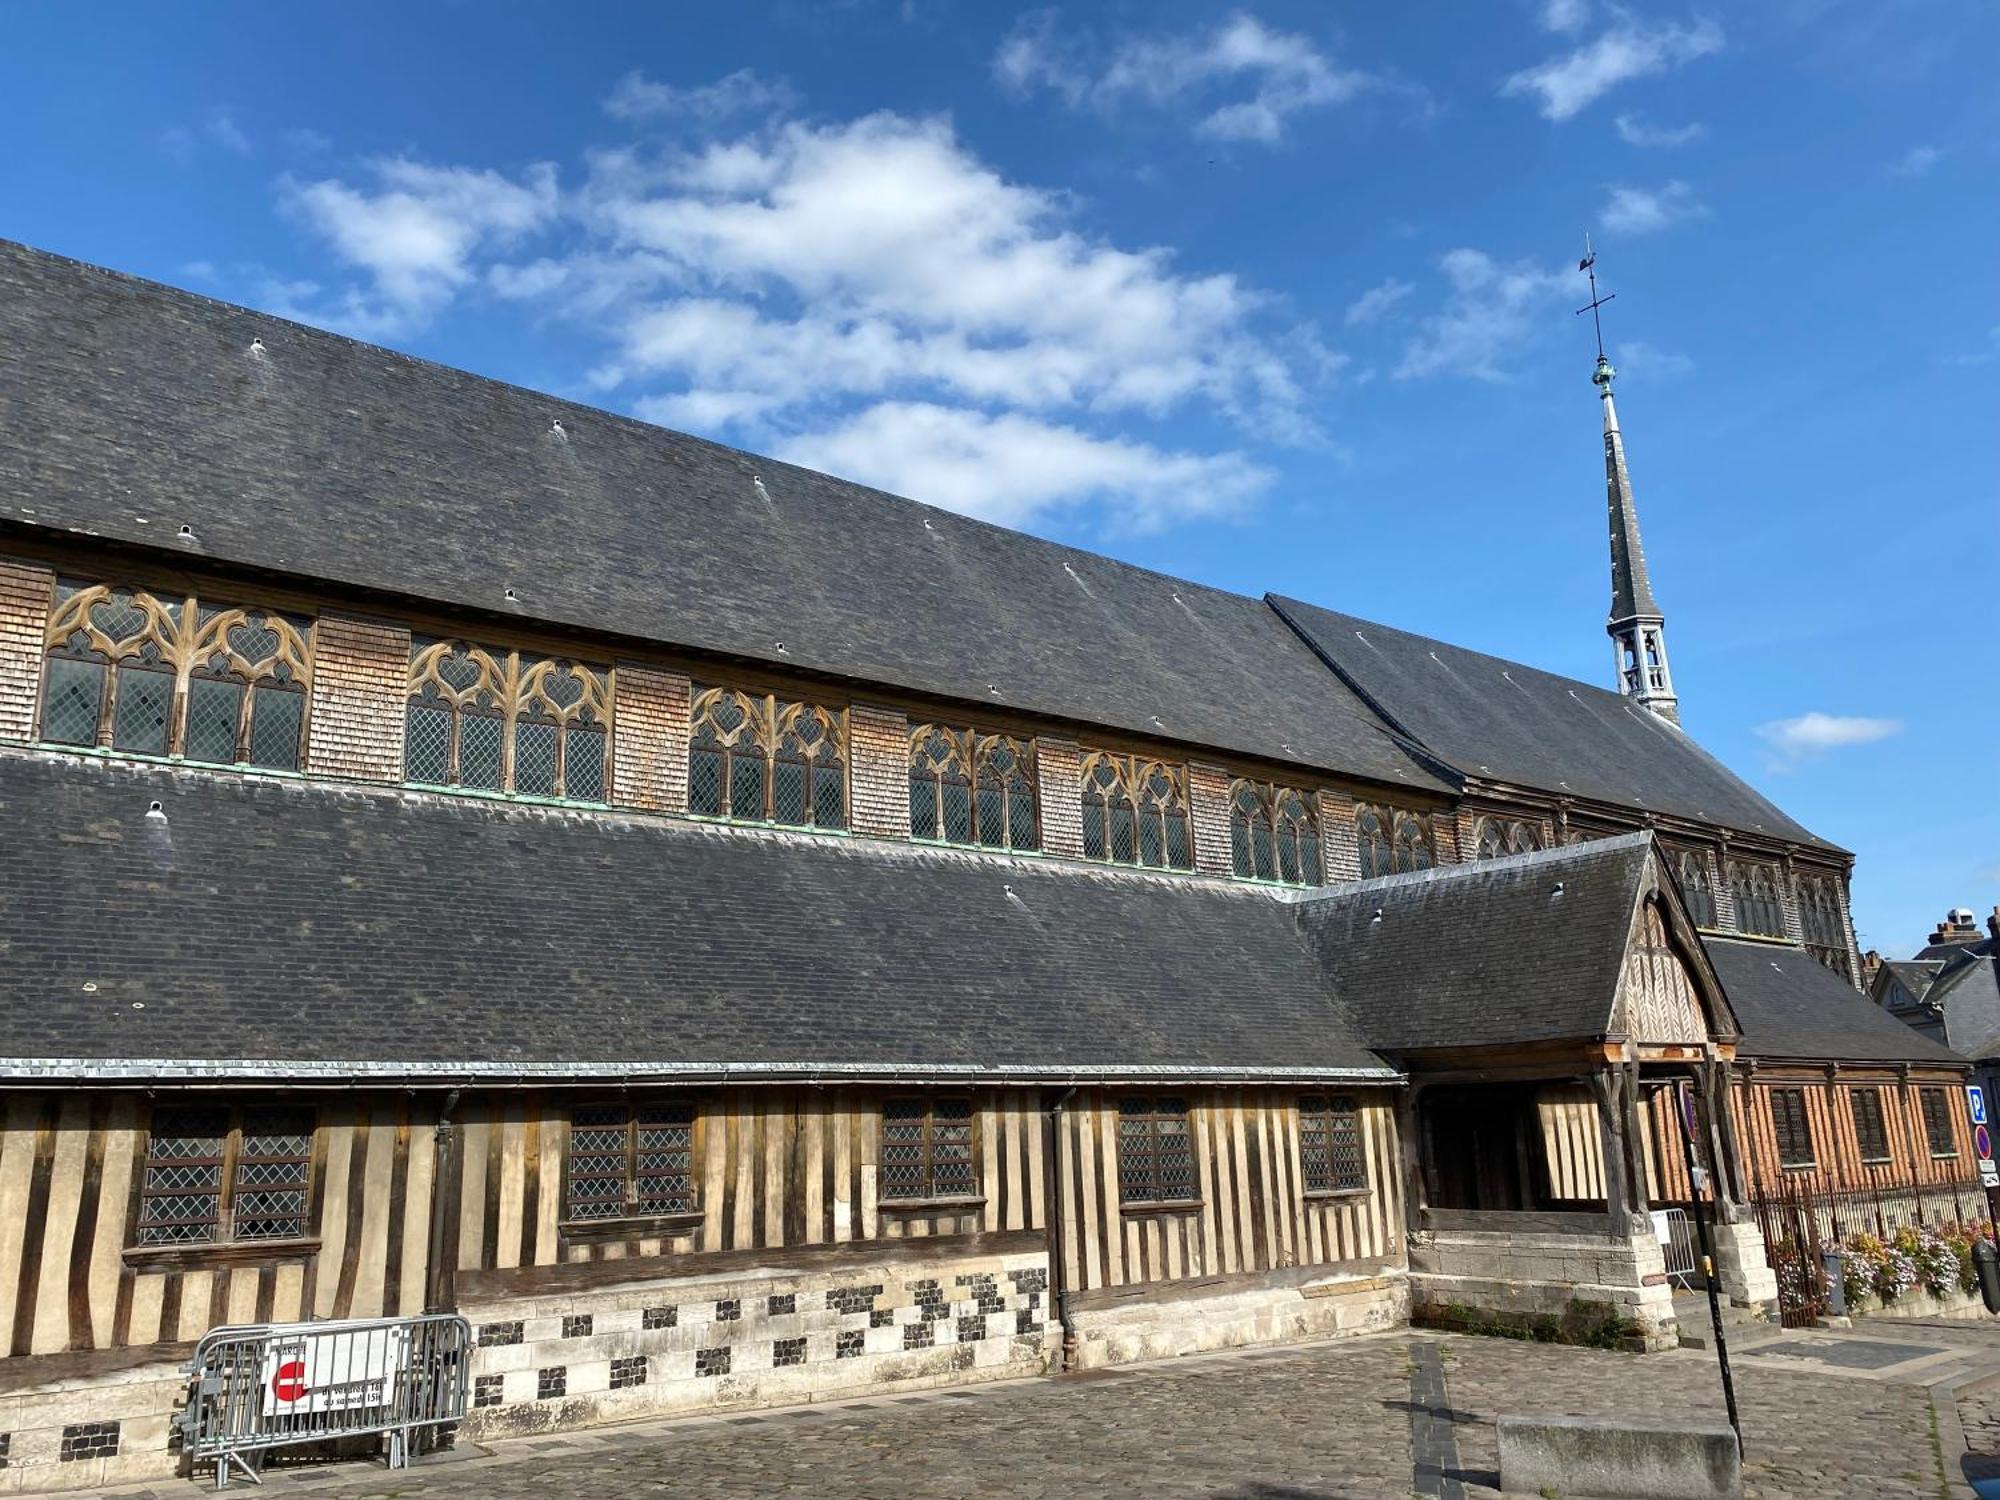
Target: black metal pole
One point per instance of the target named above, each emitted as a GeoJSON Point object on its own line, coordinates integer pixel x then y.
{"type": "Point", "coordinates": [1707, 1240]}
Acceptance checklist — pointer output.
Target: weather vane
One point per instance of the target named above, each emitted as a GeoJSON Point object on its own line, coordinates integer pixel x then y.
{"type": "Point", "coordinates": [1588, 265]}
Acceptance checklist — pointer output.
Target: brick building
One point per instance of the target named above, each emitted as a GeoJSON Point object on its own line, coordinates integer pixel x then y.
{"type": "Point", "coordinates": [737, 935]}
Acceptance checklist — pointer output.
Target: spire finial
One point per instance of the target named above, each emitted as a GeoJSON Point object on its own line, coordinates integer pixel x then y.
{"type": "Point", "coordinates": [1602, 376]}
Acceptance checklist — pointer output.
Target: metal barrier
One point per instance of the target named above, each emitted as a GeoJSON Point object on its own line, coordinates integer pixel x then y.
{"type": "Point", "coordinates": [1677, 1246]}
{"type": "Point", "coordinates": [261, 1386]}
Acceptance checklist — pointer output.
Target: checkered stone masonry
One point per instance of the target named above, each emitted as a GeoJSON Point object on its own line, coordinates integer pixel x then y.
{"type": "Point", "coordinates": [360, 689]}
{"type": "Point", "coordinates": [1208, 802]}
{"type": "Point", "coordinates": [1339, 846]}
{"type": "Point", "coordinates": [649, 739]}
{"type": "Point", "coordinates": [1059, 771]}
{"type": "Point", "coordinates": [81, 1440]}
{"type": "Point", "coordinates": [26, 596]}
{"type": "Point", "coordinates": [878, 771]}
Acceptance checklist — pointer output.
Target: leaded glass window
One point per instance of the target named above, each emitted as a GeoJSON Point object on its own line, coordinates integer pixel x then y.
{"type": "Point", "coordinates": [507, 721]}
{"type": "Point", "coordinates": [1155, 1151]}
{"type": "Point", "coordinates": [217, 1175]}
{"type": "Point", "coordinates": [1330, 1146]}
{"type": "Point", "coordinates": [1754, 890]}
{"type": "Point", "coordinates": [1393, 840]}
{"type": "Point", "coordinates": [631, 1161]}
{"type": "Point", "coordinates": [1820, 922]}
{"type": "Point", "coordinates": [1135, 812]}
{"type": "Point", "coordinates": [972, 788]}
{"type": "Point", "coordinates": [1691, 875]}
{"type": "Point", "coordinates": [162, 675]}
{"type": "Point", "coordinates": [927, 1150]}
{"type": "Point", "coordinates": [1494, 837]}
{"type": "Point", "coordinates": [1871, 1130]}
{"type": "Point", "coordinates": [757, 758]}
{"type": "Point", "coordinates": [1371, 831]}
{"type": "Point", "coordinates": [1792, 1127]}
{"type": "Point", "coordinates": [1273, 834]}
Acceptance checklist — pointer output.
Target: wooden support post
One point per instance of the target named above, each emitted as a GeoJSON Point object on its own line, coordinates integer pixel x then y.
{"type": "Point", "coordinates": [1608, 1086]}
{"type": "Point", "coordinates": [1635, 1148]}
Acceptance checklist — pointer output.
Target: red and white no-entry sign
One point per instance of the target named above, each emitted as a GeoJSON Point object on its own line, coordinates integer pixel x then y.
{"type": "Point", "coordinates": [288, 1382]}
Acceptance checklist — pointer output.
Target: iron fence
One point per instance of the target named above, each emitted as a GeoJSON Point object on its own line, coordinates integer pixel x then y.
{"type": "Point", "coordinates": [255, 1387]}
{"type": "Point", "coordinates": [1798, 1223]}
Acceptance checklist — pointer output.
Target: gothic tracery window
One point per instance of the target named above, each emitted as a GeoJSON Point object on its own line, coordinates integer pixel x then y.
{"type": "Point", "coordinates": [505, 721]}
{"type": "Point", "coordinates": [1135, 812]}
{"type": "Point", "coordinates": [1393, 841]}
{"type": "Point", "coordinates": [1691, 875]}
{"type": "Point", "coordinates": [1754, 890]}
{"type": "Point", "coordinates": [1819, 920]}
{"type": "Point", "coordinates": [1273, 834]}
{"type": "Point", "coordinates": [972, 788]}
{"type": "Point", "coordinates": [757, 758]}
{"type": "Point", "coordinates": [163, 675]}
{"type": "Point", "coordinates": [1494, 837]}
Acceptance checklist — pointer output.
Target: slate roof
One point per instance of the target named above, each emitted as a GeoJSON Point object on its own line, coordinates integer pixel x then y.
{"type": "Point", "coordinates": [311, 929]}
{"type": "Point", "coordinates": [133, 408]}
{"type": "Point", "coordinates": [1915, 974]}
{"type": "Point", "coordinates": [1484, 954]}
{"type": "Point", "coordinates": [1791, 1008]}
{"type": "Point", "coordinates": [1504, 722]}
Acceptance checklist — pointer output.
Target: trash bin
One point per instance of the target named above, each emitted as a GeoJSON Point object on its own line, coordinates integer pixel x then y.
{"type": "Point", "coordinates": [1986, 1265]}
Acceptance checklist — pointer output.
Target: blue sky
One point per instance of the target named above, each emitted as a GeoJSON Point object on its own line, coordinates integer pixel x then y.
{"type": "Point", "coordinates": [1275, 298]}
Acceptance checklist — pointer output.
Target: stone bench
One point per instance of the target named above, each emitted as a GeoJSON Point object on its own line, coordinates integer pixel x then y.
{"type": "Point", "coordinates": [1618, 1459]}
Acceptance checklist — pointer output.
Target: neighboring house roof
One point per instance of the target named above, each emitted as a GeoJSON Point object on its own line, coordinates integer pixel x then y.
{"type": "Point", "coordinates": [1502, 952]}
{"type": "Point", "coordinates": [1914, 976]}
{"type": "Point", "coordinates": [1968, 993]}
{"type": "Point", "coordinates": [1504, 722]}
{"type": "Point", "coordinates": [133, 409]}
{"type": "Point", "coordinates": [274, 924]}
{"type": "Point", "coordinates": [1984, 948]}
{"type": "Point", "coordinates": [1792, 1008]}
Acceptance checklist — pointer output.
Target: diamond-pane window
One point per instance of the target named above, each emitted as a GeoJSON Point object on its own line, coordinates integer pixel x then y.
{"type": "Point", "coordinates": [1135, 812]}
{"type": "Point", "coordinates": [631, 1161]}
{"type": "Point", "coordinates": [145, 703]}
{"type": "Point", "coordinates": [72, 701]}
{"type": "Point", "coordinates": [216, 1175]}
{"type": "Point", "coordinates": [927, 1150]}
{"type": "Point", "coordinates": [535, 758]}
{"type": "Point", "coordinates": [1155, 1151]}
{"type": "Point", "coordinates": [967, 787]}
{"type": "Point", "coordinates": [1330, 1146]}
{"type": "Point", "coordinates": [1273, 834]}
{"type": "Point", "coordinates": [759, 759]}
{"type": "Point", "coordinates": [505, 721]}
{"type": "Point", "coordinates": [214, 712]}
{"type": "Point", "coordinates": [277, 721]}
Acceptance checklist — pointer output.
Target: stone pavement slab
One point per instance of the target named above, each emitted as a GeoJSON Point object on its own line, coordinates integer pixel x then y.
{"type": "Point", "coordinates": [1393, 1415]}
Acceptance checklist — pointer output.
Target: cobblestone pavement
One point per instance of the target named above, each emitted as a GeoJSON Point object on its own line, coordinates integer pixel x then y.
{"type": "Point", "coordinates": [1328, 1420]}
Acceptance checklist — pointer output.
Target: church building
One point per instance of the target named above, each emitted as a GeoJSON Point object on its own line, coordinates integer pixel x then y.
{"type": "Point", "coordinates": [740, 937]}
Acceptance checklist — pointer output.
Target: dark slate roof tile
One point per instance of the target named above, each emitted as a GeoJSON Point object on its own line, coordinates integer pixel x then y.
{"type": "Point", "coordinates": [1792, 1008]}
{"type": "Point", "coordinates": [300, 924]}
{"type": "Point", "coordinates": [1505, 722]}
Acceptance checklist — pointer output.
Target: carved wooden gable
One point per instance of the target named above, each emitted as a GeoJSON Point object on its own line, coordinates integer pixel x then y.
{"type": "Point", "coordinates": [1656, 993]}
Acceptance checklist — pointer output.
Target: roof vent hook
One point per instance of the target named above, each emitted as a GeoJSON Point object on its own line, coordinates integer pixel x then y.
{"type": "Point", "coordinates": [156, 810]}
{"type": "Point", "coordinates": [256, 346]}
{"type": "Point", "coordinates": [556, 427]}
{"type": "Point", "coordinates": [1558, 890]}
{"type": "Point", "coordinates": [510, 596]}
{"type": "Point", "coordinates": [1376, 918]}
{"type": "Point", "coordinates": [186, 533]}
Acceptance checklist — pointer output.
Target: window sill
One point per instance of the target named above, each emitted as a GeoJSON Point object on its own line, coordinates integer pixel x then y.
{"type": "Point", "coordinates": [218, 1254]}
{"type": "Point", "coordinates": [640, 1227]}
{"type": "Point", "coordinates": [1798, 1166]}
{"type": "Point", "coordinates": [1338, 1195]}
{"type": "Point", "coordinates": [1878, 1161]}
{"type": "Point", "coordinates": [1166, 1206]}
{"type": "Point", "coordinates": [927, 1205]}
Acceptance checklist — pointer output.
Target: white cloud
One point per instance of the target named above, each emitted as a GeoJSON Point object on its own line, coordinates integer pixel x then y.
{"type": "Point", "coordinates": [1631, 210]}
{"type": "Point", "coordinates": [1013, 469]}
{"type": "Point", "coordinates": [1286, 73]}
{"type": "Point", "coordinates": [1634, 130]}
{"type": "Point", "coordinates": [1570, 83]}
{"type": "Point", "coordinates": [1917, 161]}
{"type": "Point", "coordinates": [218, 128]}
{"type": "Point", "coordinates": [416, 235]}
{"type": "Point", "coordinates": [1637, 357]}
{"type": "Point", "coordinates": [1491, 311]}
{"type": "Point", "coordinates": [1815, 733]}
{"type": "Point", "coordinates": [1370, 306]}
{"type": "Point", "coordinates": [637, 97]}
{"type": "Point", "coordinates": [1565, 15]}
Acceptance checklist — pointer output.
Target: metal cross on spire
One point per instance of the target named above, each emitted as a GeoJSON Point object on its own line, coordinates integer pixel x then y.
{"type": "Point", "coordinates": [1588, 265]}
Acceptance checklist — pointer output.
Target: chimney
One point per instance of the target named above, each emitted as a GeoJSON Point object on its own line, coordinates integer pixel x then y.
{"type": "Point", "coordinates": [1993, 924]}
{"type": "Point", "coordinates": [1957, 927]}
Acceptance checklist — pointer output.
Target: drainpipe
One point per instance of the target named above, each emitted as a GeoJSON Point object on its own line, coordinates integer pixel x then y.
{"type": "Point", "coordinates": [1052, 1212]}
{"type": "Point", "coordinates": [444, 1202]}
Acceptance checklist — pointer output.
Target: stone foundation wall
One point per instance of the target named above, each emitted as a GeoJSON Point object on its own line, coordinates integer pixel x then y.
{"type": "Point", "coordinates": [762, 1338]}
{"type": "Point", "coordinates": [1568, 1284]}
{"type": "Point", "coordinates": [1161, 1323]}
{"type": "Point", "coordinates": [84, 1431]}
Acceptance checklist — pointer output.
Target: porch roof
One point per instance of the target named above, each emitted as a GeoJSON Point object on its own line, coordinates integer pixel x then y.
{"type": "Point", "coordinates": [1792, 1008]}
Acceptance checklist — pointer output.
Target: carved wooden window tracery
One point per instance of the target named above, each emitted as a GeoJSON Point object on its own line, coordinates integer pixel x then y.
{"type": "Point", "coordinates": [972, 788]}
{"type": "Point", "coordinates": [1697, 891]}
{"type": "Point", "coordinates": [165, 675]}
{"type": "Point", "coordinates": [1820, 924]}
{"type": "Point", "coordinates": [1754, 890]}
{"type": "Point", "coordinates": [758, 758]}
{"type": "Point", "coordinates": [1135, 812]}
{"type": "Point", "coordinates": [1393, 840]}
{"type": "Point", "coordinates": [1330, 1147]}
{"type": "Point", "coordinates": [927, 1150]}
{"type": "Point", "coordinates": [1273, 834]}
{"type": "Point", "coordinates": [507, 721]}
{"type": "Point", "coordinates": [1494, 837]}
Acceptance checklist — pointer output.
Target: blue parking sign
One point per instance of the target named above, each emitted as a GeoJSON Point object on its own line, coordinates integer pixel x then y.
{"type": "Point", "coordinates": [1976, 1097]}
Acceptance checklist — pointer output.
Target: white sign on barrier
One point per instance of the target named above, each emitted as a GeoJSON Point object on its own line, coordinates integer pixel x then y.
{"type": "Point", "coordinates": [321, 1372]}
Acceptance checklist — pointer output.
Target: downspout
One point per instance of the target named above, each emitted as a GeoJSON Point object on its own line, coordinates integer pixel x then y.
{"type": "Point", "coordinates": [444, 1203]}
{"type": "Point", "coordinates": [1052, 1214]}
